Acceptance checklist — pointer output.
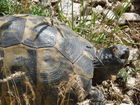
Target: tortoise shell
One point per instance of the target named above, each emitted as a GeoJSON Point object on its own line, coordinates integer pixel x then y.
{"type": "Point", "coordinates": [46, 52]}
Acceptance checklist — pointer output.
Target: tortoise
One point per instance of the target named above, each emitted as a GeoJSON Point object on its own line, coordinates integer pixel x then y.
{"type": "Point", "coordinates": [47, 53]}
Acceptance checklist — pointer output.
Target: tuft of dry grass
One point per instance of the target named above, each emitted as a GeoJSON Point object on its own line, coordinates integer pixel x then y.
{"type": "Point", "coordinates": [74, 84]}
{"type": "Point", "coordinates": [11, 94]}
{"type": "Point", "coordinates": [12, 77]}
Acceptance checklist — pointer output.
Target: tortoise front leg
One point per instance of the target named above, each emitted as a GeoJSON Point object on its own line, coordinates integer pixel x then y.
{"type": "Point", "coordinates": [96, 97]}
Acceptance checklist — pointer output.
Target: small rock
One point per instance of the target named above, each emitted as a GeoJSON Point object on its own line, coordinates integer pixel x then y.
{"type": "Point", "coordinates": [125, 104]}
{"type": "Point", "coordinates": [127, 100]}
{"type": "Point", "coordinates": [88, 22]}
{"type": "Point", "coordinates": [85, 102]}
{"type": "Point", "coordinates": [130, 92]}
{"type": "Point", "coordinates": [110, 103]}
{"type": "Point", "coordinates": [131, 16]}
{"type": "Point", "coordinates": [131, 82]}
{"type": "Point", "coordinates": [35, 1]}
{"type": "Point", "coordinates": [117, 90]}
{"type": "Point", "coordinates": [47, 2]}
{"type": "Point", "coordinates": [66, 8]}
{"type": "Point", "coordinates": [133, 54]}
{"type": "Point", "coordinates": [121, 21]}
{"type": "Point", "coordinates": [98, 9]}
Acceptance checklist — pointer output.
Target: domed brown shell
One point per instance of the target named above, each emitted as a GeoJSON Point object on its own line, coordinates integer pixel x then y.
{"type": "Point", "coordinates": [46, 52]}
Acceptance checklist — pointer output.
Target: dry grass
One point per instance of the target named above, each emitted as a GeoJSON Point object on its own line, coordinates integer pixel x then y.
{"type": "Point", "coordinates": [103, 34]}
{"type": "Point", "coordinates": [12, 77]}
{"type": "Point", "coordinates": [74, 84]}
{"type": "Point", "coordinates": [12, 94]}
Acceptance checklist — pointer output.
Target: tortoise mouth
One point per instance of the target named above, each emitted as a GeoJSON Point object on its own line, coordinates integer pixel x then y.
{"type": "Point", "coordinates": [121, 51]}
{"type": "Point", "coordinates": [125, 55]}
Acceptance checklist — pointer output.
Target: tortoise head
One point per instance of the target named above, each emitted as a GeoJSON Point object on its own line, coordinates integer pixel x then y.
{"type": "Point", "coordinates": [109, 61]}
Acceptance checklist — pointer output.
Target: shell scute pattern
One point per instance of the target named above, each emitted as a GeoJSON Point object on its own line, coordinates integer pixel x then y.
{"type": "Point", "coordinates": [73, 47]}
{"type": "Point", "coordinates": [35, 33]}
{"type": "Point", "coordinates": [51, 51]}
{"type": "Point", "coordinates": [20, 58]}
{"type": "Point", "coordinates": [12, 32]}
{"type": "Point", "coordinates": [52, 65]}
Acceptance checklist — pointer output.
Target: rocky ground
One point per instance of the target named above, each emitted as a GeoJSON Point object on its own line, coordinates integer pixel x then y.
{"type": "Point", "coordinates": [120, 19]}
{"type": "Point", "coordinates": [123, 89]}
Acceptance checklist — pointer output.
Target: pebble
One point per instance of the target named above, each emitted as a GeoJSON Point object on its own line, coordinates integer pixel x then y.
{"type": "Point", "coordinates": [131, 82]}
{"type": "Point", "coordinates": [131, 16]}
{"type": "Point", "coordinates": [66, 8]}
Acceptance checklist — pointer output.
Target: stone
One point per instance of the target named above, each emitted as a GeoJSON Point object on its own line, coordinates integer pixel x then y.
{"type": "Point", "coordinates": [66, 7]}
{"type": "Point", "coordinates": [130, 92]}
{"type": "Point", "coordinates": [35, 1]}
{"type": "Point", "coordinates": [121, 21]}
{"type": "Point", "coordinates": [98, 9]}
{"type": "Point", "coordinates": [125, 104]}
{"type": "Point", "coordinates": [47, 2]}
{"type": "Point", "coordinates": [131, 82]}
{"type": "Point", "coordinates": [85, 102]}
{"type": "Point", "coordinates": [131, 16]}
{"type": "Point", "coordinates": [133, 54]}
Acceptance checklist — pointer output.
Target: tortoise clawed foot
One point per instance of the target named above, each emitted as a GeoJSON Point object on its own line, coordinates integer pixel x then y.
{"type": "Point", "coordinates": [96, 97]}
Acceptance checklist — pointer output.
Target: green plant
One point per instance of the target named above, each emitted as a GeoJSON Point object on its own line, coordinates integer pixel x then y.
{"type": "Point", "coordinates": [123, 75]}
{"type": "Point", "coordinates": [38, 9]}
{"type": "Point", "coordinates": [121, 9]}
{"type": "Point", "coordinates": [8, 7]}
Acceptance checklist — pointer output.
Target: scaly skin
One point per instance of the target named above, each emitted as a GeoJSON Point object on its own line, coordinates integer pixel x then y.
{"type": "Point", "coordinates": [109, 61]}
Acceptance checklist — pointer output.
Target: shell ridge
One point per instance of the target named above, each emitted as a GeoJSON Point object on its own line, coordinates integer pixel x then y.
{"type": "Point", "coordinates": [63, 55]}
